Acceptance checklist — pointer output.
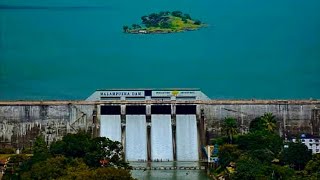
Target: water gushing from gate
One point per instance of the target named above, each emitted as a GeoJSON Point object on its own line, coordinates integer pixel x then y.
{"type": "Point", "coordinates": [186, 138]}
{"type": "Point", "coordinates": [110, 127]}
{"type": "Point", "coordinates": [161, 138]}
{"type": "Point", "coordinates": [136, 138]}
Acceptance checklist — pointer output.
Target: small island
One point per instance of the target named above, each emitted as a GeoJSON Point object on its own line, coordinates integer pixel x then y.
{"type": "Point", "coordinates": [164, 22]}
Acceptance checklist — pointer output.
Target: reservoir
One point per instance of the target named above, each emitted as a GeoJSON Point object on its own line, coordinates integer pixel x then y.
{"type": "Point", "coordinates": [55, 49]}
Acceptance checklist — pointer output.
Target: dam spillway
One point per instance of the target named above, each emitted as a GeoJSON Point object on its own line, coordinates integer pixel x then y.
{"type": "Point", "coordinates": [161, 138]}
{"type": "Point", "coordinates": [136, 138]}
{"type": "Point", "coordinates": [110, 127]}
{"type": "Point", "coordinates": [110, 122]}
{"type": "Point", "coordinates": [187, 139]}
{"type": "Point", "coordinates": [158, 144]}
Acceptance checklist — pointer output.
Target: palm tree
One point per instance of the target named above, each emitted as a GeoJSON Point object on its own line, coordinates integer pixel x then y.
{"type": "Point", "coordinates": [269, 121]}
{"type": "Point", "coordinates": [229, 128]}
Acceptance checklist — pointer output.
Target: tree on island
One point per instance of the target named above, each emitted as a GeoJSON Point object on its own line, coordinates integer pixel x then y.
{"type": "Point", "coordinates": [125, 28]}
{"type": "Point", "coordinates": [135, 26]}
{"type": "Point", "coordinates": [197, 22]}
{"type": "Point", "coordinates": [176, 13]}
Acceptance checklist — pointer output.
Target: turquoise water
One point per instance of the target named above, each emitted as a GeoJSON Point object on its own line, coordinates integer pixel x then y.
{"type": "Point", "coordinates": [252, 49]}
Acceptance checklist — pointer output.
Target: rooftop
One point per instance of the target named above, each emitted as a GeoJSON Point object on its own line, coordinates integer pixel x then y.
{"type": "Point", "coordinates": [152, 89]}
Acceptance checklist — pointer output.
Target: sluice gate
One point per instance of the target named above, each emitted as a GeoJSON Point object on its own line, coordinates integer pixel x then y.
{"type": "Point", "coordinates": [153, 132]}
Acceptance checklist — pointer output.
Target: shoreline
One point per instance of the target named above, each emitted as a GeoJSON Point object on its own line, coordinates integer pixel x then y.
{"type": "Point", "coordinates": [164, 31]}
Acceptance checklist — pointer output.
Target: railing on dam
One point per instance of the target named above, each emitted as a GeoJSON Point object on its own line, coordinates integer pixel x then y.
{"type": "Point", "coordinates": [205, 102]}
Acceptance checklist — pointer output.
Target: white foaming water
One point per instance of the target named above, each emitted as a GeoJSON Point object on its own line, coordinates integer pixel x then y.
{"type": "Point", "coordinates": [111, 127]}
{"type": "Point", "coordinates": [161, 138]}
{"type": "Point", "coordinates": [136, 138]}
{"type": "Point", "coordinates": [186, 138]}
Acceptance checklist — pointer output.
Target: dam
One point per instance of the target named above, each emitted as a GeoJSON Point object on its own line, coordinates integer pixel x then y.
{"type": "Point", "coordinates": [151, 124]}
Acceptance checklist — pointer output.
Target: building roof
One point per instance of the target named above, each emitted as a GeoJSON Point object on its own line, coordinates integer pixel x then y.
{"type": "Point", "coordinates": [153, 89]}
{"type": "Point", "coordinates": [305, 136]}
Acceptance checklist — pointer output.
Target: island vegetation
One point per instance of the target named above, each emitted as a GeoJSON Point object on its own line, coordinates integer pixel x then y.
{"type": "Point", "coordinates": [164, 22]}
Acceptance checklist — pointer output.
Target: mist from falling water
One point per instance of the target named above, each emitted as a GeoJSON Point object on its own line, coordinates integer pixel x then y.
{"type": "Point", "coordinates": [161, 138]}
{"type": "Point", "coordinates": [186, 138]}
{"type": "Point", "coordinates": [110, 127]}
{"type": "Point", "coordinates": [136, 138]}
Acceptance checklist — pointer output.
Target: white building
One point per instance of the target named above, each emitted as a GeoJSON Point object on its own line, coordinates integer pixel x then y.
{"type": "Point", "coordinates": [312, 142]}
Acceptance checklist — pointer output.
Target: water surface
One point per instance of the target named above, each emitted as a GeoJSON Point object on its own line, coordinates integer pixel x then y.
{"type": "Point", "coordinates": [168, 174]}
{"type": "Point", "coordinates": [54, 49]}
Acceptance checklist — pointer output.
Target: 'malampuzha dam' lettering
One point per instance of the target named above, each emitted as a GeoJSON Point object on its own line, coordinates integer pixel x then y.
{"type": "Point", "coordinates": [121, 93]}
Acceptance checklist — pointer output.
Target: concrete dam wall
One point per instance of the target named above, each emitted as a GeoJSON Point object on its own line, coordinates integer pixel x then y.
{"type": "Point", "coordinates": [22, 121]}
{"type": "Point", "coordinates": [20, 124]}
{"type": "Point", "coordinates": [293, 117]}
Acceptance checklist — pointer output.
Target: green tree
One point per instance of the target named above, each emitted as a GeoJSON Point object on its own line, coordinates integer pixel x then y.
{"type": "Point", "coordinates": [136, 26]}
{"type": "Point", "coordinates": [197, 22]}
{"type": "Point", "coordinates": [260, 140]}
{"type": "Point", "coordinates": [99, 174]}
{"type": "Point", "coordinates": [104, 148]}
{"type": "Point", "coordinates": [269, 122]}
{"type": "Point", "coordinates": [187, 16]}
{"type": "Point", "coordinates": [125, 28]}
{"type": "Point", "coordinates": [72, 169]}
{"type": "Point", "coordinates": [256, 125]}
{"type": "Point", "coordinates": [81, 145]}
{"type": "Point", "coordinates": [228, 153]}
{"type": "Point", "coordinates": [229, 128]}
{"type": "Point", "coordinates": [263, 155]}
{"type": "Point", "coordinates": [40, 150]}
{"type": "Point", "coordinates": [165, 25]}
{"type": "Point", "coordinates": [15, 166]}
{"type": "Point", "coordinates": [281, 172]}
{"type": "Point", "coordinates": [72, 145]}
{"type": "Point", "coordinates": [164, 13]}
{"type": "Point", "coordinates": [76, 156]}
{"type": "Point", "coordinates": [52, 168]}
{"type": "Point", "coordinates": [250, 169]}
{"type": "Point", "coordinates": [176, 13]}
{"type": "Point", "coordinates": [296, 155]}
{"type": "Point", "coordinates": [265, 122]}
{"type": "Point", "coordinates": [313, 166]}
{"type": "Point", "coordinates": [145, 20]}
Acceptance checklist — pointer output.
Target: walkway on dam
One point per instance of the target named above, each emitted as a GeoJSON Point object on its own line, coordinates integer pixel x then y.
{"type": "Point", "coordinates": [207, 102]}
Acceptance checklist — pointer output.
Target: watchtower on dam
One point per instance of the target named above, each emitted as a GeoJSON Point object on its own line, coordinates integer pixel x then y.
{"type": "Point", "coordinates": [152, 124]}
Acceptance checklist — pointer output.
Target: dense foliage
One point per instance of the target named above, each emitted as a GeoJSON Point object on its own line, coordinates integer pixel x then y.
{"type": "Point", "coordinates": [166, 21]}
{"type": "Point", "coordinates": [296, 155]}
{"type": "Point", "coordinates": [76, 156]}
{"type": "Point", "coordinates": [260, 154]}
{"type": "Point", "coordinates": [229, 128]}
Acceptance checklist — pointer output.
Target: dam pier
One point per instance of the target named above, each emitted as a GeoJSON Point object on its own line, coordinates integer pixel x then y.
{"type": "Point", "coordinates": [152, 124]}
